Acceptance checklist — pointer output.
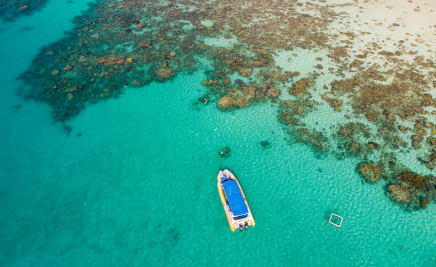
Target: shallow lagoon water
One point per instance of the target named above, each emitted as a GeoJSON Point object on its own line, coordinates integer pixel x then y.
{"type": "Point", "coordinates": [138, 187]}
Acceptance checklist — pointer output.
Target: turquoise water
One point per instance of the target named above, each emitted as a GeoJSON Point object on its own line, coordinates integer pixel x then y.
{"type": "Point", "coordinates": [138, 188]}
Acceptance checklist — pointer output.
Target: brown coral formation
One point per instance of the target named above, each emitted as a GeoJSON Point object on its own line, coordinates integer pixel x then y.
{"type": "Point", "coordinates": [415, 180]}
{"type": "Point", "coordinates": [424, 202]}
{"type": "Point", "coordinates": [370, 171]}
{"type": "Point", "coordinates": [245, 72]}
{"type": "Point", "coordinates": [299, 87]}
{"type": "Point", "coordinates": [237, 98]}
{"type": "Point", "coordinates": [412, 190]}
{"type": "Point", "coordinates": [164, 73]}
{"type": "Point", "coordinates": [317, 140]}
{"type": "Point", "coordinates": [353, 129]}
{"type": "Point", "coordinates": [286, 119]}
{"type": "Point", "coordinates": [274, 93]}
{"type": "Point", "coordinates": [225, 102]}
{"type": "Point", "coordinates": [258, 63]}
{"type": "Point", "coordinates": [399, 193]}
{"type": "Point", "coordinates": [335, 102]}
{"type": "Point", "coordinates": [145, 44]}
{"type": "Point", "coordinates": [371, 116]}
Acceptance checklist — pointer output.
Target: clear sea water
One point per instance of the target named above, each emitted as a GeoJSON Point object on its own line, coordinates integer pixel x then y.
{"type": "Point", "coordinates": [138, 188]}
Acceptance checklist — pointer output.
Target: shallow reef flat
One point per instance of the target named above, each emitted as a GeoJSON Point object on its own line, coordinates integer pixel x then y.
{"type": "Point", "coordinates": [349, 78]}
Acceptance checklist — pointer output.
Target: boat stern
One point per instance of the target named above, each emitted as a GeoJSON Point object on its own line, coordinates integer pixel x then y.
{"type": "Point", "coordinates": [244, 223]}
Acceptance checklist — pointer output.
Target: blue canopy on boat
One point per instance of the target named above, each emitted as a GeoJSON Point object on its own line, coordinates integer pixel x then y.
{"type": "Point", "coordinates": [235, 198]}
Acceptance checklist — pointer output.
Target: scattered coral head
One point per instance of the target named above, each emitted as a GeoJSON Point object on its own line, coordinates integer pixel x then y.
{"type": "Point", "coordinates": [370, 171]}
{"type": "Point", "coordinates": [118, 61]}
{"type": "Point", "coordinates": [145, 44]}
{"type": "Point", "coordinates": [371, 117]}
{"type": "Point", "coordinates": [286, 119]}
{"type": "Point", "coordinates": [424, 202]}
{"type": "Point", "coordinates": [245, 72]}
{"type": "Point", "coordinates": [274, 93]}
{"type": "Point", "coordinates": [335, 102]}
{"type": "Point", "coordinates": [299, 87]}
{"type": "Point", "coordinates": [225, 103]}
{"type": "Point", "coordinates": [101, 60]}
{"type": "Point", "coordinates": [222, 51]}
{"type": "Point", "coordinates": [399, 193]}
{"type": "Point", "coordinates": [164, 73]}
{"type": "Point", "coordinates": [258, 63]}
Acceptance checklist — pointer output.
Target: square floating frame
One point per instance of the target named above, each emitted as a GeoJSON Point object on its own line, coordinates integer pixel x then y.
{"type": "Point", "coordinates": [336, 220]}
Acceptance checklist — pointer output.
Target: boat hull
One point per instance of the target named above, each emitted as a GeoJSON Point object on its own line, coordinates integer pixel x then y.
{"type": "Point", "coordinates": [234, 224]}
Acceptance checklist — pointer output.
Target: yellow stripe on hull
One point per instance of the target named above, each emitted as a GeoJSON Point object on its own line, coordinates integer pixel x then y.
{"type": "Point", "coordinates": [220, 190]}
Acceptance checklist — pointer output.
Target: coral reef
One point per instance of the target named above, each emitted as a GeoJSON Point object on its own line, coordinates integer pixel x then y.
{"type": "Point", "coordinates": [415, 180]}
{"type": "Point", "coordinates": [424, 202]}
{"type": "Point", "coordinates": [370, 171]}
{"type": "Point", "coordinates": [317, 140]}
{"type": "Point", "coordinates": [399, 193]}
{"type": "Point", "coordinates": [12, 10]}
{"type": "Point", "coordinates": [245, 72]}
{"type": "Point", "coordinates": [225, 102]}
{"type": "Point", "coordinates": [120, 44]}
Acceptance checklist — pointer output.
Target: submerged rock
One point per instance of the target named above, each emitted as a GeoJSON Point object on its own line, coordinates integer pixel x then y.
{"type": "Point", "coordinates": [265, 144]}
{"type": "Point", "coordinates": [225, 152]}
